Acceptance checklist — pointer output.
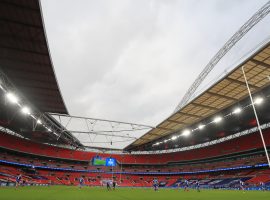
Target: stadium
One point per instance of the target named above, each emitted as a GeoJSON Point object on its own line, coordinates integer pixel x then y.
{"type": "Point", "coordinates": [214, 145]}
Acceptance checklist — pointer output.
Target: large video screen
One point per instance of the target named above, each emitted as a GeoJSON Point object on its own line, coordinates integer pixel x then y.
{"type": "Point", "coordinates": [98, 161]}
{"type": "Point", "coordinates": [110, 162]}
{"type": "Point", "coordinates": [101, 161]}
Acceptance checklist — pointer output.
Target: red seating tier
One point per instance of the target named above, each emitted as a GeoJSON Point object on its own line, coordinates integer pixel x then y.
{"type": "Point", "coordinates": [244, 143]}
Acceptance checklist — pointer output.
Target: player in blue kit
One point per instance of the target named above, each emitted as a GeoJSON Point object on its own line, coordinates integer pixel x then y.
{"type": "Point", "coordinates": [18, 180]}
{"type": "Point", "coordinates": [262, 186]}
{"type": "Point", "coordinates": [186, 185]}
{"type": "Point", "coordinates": [155, 184]}
{"type": "Point", "coordinates": [81, 182]}
{"type": "Point", "coordinates": [197, 185]}
{"type": "Point", "coordinates": [242, 185]}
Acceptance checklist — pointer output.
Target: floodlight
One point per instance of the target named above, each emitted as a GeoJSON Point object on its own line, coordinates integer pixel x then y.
{"type": "Point", "coordinates": [237, 110]}
{"type": "Point", "coordinates": [217, 119]}
{"type": "Point", "coordinates": [186, 132]}
{"type": "Point", "coordinates": [12, 98]}
{"type": "Point", "coordinates": [174, 137]}
{"type": "Point", "coordinates": [201, 126]}
{"type": "Point", "coordinates": [258, 100]}
{"type": "Point", "coordinates": [39, 121]}
{"type": "Point", "coordinates": [26, 110]}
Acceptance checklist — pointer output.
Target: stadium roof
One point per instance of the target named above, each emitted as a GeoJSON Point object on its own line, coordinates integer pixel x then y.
{"type": "Point", "coordinates": [25, 56]}
{"type": "Point", "coordinates": [224, 93]}
{"type": "Point", "coordinates": [26, 68]}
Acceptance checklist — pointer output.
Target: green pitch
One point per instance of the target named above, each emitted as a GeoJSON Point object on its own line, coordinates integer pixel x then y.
{"type": "Point", "coordinates": [74, 193]}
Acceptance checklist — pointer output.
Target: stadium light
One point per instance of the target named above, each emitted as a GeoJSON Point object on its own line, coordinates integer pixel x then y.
{"type": "Point", "coordinates": [49, 130]}
{"type": "Point", "coordinates": [39, 121]}
{"type": "Point", "coordinates": [174, 137]}
{"type": "Point", "coordinates": [258, 100]}
{"type": "Point", "coordinates": [26, 110]}
{"type": "Point", "coordinates": [218, 119]}
{"type": "Point", "coordinates": [201, 126]}
{"type": "Point", "coordinates": [186, 132]}
{"type": "Point", "coordinates": [12, 98]}
{"type": "Point", "coordinates": [237, 110]}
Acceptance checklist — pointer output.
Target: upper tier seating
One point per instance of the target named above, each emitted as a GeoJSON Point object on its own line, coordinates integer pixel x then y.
{"type": "Point", "coordinates": [248, 142]}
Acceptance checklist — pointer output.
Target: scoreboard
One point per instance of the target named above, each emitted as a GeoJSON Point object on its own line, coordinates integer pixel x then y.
{"type": "Point", "coordinates": [101, 161]}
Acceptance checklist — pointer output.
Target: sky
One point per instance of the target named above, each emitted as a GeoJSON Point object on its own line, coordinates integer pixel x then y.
{"type": "Point", "coordinates": [133, 60]}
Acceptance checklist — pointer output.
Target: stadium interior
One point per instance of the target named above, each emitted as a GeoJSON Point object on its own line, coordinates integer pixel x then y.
{"type": "Point", "coordinates": [225, 146]}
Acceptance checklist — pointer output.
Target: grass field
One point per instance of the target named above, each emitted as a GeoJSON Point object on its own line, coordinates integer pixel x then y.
{"type": "Point", "coordinates": [68, 193]}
